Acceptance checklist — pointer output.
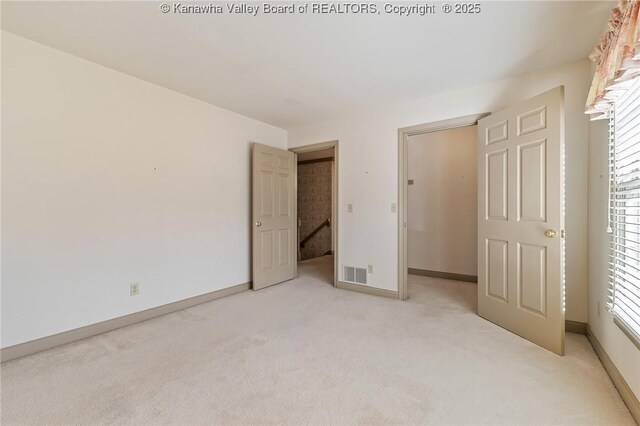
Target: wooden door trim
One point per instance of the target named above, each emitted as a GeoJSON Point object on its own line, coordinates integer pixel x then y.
{"type": "Point", "coordinates": [335, 188]}
{"type": "Point", "coordinates": [403, 134]}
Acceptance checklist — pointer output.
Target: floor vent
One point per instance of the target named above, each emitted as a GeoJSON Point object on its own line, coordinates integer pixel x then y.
{"type": "Point", "coordinates": [355, 275]}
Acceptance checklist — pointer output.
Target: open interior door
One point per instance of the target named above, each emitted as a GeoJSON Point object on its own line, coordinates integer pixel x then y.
{"type": "Point", "coordinates": [521, 219]}
{"type": "Point", "coordinates": [274, 216]}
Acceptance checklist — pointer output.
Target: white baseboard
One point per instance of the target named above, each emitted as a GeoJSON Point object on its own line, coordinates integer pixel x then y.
{"type": "Point", "coordinates": [445, 275]}
{"type": "Point", "coordinates": [575, 327]}
{"type": "Point", "coordinates": [27, 348]}
{"type": "Point", "coordinates": [367, 290]}
{"type": "Point", "coordinates": [621, 385]}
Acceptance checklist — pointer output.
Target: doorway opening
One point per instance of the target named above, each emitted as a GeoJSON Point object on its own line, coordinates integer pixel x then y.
{"type": "Point", "coordinates": [520, 222]}
{"type": "Point", "coordinates": [438, 202]}
{"type": "Point", "coordinates": [442, 223]}
{"type": "Point", "coordinates": [316, 192]}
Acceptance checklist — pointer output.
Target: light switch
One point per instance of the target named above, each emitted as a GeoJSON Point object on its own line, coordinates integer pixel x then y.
{"type": "Point", "coordinates": [350, 208]}
{"type": "Point", "coordinates": [394, 207]}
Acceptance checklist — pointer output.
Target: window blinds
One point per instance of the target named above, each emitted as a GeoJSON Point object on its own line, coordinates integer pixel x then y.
{"type": "Point", "coordinates": [624, 213]}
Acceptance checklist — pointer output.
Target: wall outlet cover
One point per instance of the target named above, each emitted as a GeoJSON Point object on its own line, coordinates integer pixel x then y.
{"type": "Point", "coordinates": [134, 289]}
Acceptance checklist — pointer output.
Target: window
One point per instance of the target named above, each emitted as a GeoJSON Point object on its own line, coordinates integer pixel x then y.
{"type": "Point", "coordinates": [624, 213]}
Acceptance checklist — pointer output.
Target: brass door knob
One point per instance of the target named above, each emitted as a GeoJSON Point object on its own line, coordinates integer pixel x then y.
{"type": "Point", "coordinates": [258, 223]}
{"type": "Point", "coordinates": [550, 233]}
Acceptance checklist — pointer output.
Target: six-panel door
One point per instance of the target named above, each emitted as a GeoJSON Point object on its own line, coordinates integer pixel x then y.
{"type": "Point", "coordinates": [520, 219]}
{"type": "Point", "coordinates": [274, 231]}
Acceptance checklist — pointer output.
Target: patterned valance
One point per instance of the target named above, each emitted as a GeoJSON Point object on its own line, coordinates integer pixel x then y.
{"type": "Point", "coordinates": [617, 58]}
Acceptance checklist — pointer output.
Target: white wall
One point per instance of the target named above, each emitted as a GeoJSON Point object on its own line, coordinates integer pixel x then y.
{"type": "Point", "coordinates": [369, 169]}
{"type": "Point", "coordinates": [624, 354]}
{"type": "Point", "coordinates": [442, 205]}
{"type": "Point", "coordinates": [109, 180]}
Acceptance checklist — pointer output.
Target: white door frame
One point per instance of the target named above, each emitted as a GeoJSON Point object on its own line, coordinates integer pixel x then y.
{"type": "Point", "coordinates": [403, 135]}
{"type": "Point", "coordinates": [334, 195]}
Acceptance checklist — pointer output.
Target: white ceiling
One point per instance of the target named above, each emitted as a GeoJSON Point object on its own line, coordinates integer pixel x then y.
{"type": "Point", "coordinates": [293, 70]}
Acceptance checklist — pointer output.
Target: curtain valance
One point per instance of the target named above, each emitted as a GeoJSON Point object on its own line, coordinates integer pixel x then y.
{"type": "Point", "coordinates": [617, 59]}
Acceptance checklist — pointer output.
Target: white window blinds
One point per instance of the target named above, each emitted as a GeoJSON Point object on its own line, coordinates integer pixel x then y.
{"type": "Point", "coordinates": [624, 214]}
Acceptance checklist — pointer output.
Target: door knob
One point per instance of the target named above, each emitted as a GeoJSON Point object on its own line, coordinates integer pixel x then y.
{"type": "Point", "coordinates": [258, 223]}
{"type": "Point", "coordinates": [550, 233]}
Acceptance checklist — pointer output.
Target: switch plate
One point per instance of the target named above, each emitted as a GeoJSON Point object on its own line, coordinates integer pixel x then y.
{"type": "Point", "coordinates": [134, 289]}
{"type": "Point", "coordinates": [394, 207]}
{"type": "Point", "coordinates": [370, 269]}
{"type": "Point", "coordinates": [350, 208]}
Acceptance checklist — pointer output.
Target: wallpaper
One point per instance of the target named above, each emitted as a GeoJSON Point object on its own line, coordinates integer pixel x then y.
{"type": "Point", "coordinates": [314, 206]}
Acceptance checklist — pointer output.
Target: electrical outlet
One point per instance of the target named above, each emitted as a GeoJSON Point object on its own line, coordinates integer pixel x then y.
{"type": "Point", "coordinates": [370, 269]}
{"type": "Point", "coordinates": [350, 208]}
{"type": "Point", "coordinates": [134, 289]}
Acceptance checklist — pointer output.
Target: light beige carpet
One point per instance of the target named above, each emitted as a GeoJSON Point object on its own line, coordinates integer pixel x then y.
{"type": "Point", "coordinates": [303, 352]}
